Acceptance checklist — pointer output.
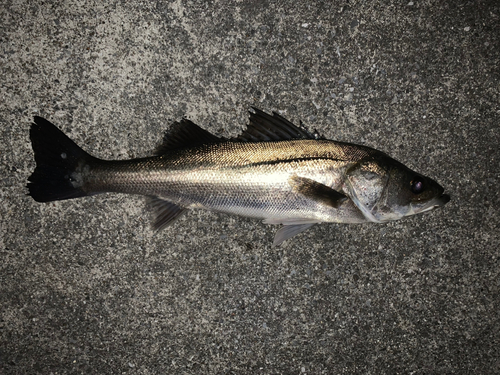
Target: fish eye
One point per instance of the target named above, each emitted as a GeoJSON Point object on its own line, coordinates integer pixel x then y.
{"type": "Point", "coordinates": [417, 185]}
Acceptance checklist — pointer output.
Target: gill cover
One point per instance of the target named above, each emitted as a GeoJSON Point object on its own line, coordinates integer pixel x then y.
{"type": "Point", "coordinates": [366, 182]}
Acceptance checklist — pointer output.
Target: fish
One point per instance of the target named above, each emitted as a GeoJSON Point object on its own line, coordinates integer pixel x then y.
{"type": "Point", "coordinates": [274, 171]}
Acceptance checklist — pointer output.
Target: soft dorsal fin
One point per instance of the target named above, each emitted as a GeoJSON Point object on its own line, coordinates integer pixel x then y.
{"type": "Point", "coordinates": [186, 134]}
{"type": "Point", "coordinates": [264, 127]}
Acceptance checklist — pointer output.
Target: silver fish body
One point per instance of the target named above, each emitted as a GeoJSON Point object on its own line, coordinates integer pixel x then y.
{"type": "Point", "coordinates": [274, 171]}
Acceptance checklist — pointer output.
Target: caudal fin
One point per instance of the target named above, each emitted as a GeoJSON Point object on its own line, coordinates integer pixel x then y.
{"type": "Point", "coordinates": [58, 162]}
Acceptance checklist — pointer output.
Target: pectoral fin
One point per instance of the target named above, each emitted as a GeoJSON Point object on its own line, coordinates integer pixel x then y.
{"type": "Point", "coordinates": [288, 231]}
{"type": "Point", "coordinates": [317, 191]}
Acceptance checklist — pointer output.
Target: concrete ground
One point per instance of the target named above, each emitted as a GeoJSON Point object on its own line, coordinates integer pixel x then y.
{"type": "Point", "coordinates": [87, 287]}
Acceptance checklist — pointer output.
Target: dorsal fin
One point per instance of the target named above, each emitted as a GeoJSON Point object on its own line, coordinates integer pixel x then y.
{"type": "Point", "coordinates": [264, 127]}
{"type": "Point", "coordinates": [185, 134]}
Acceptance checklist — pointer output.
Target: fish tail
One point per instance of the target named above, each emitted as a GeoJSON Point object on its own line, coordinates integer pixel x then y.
{"type": "Point", "coordinates": [59, 162]}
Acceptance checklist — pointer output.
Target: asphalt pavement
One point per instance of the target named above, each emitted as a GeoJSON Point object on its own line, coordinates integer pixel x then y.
{"type": "Point", "coordinates": [86, 286]}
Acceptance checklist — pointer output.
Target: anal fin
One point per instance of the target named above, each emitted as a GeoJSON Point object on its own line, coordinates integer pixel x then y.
{"type": "Point", "coordinates": [166, 212]}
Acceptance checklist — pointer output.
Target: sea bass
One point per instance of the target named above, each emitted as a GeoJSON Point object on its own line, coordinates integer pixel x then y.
{"type": "Point", "coordinates": [274, 171]}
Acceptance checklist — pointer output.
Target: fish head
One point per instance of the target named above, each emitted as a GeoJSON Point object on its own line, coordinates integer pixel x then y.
{"type": "Point", "coordinates": [386, 190]}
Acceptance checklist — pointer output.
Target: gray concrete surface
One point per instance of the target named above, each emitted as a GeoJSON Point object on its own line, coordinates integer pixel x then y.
{"type": "Point", "coordinates": [87, 287]}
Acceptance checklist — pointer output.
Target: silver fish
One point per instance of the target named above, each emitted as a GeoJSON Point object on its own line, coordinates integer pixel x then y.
{"type": "Point", "coordinates": [274, 171]}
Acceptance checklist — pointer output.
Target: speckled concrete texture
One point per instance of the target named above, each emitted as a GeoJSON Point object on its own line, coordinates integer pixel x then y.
{"type": "Point", "coordinates": [87, 287]}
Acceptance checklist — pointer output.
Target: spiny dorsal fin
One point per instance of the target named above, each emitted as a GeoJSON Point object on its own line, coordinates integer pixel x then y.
{"type": "Point", "coordinates": [185, 134]}
{"type": "Point", "coordinates": [264, 127]}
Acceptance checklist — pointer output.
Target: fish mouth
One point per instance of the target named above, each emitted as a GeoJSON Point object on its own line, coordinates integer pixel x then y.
{"type": "Point", "coordinates": [443, 199]}
{"type": "Point", "coordinates": [435, 203]}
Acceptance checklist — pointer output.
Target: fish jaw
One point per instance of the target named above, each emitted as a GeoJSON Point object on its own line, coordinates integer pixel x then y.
{"type": "Point", "coordinates": [430, 205]}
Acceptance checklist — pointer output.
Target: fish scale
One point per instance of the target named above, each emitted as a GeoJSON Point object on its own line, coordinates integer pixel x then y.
{"type": "Point", "coordinates": [274, 171]}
